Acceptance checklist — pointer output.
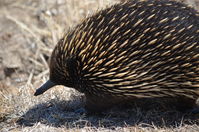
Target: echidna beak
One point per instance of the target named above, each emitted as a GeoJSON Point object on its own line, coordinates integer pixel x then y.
{"type": "Point", "coordinates": [49, 84]}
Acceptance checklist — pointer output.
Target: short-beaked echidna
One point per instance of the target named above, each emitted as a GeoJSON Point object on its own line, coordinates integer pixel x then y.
{"type": "Point", "coordinates": [135, 49]}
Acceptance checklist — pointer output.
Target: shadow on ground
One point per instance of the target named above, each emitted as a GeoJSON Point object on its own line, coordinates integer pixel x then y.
{"type": "Point", "coordinates": [61, 113]}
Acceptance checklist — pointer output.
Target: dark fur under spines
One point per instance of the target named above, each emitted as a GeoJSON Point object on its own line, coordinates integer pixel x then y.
{"type": "Point", "coordinates": [136, 49]}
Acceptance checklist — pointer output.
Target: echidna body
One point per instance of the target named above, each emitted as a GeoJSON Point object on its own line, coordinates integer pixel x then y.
{"type": "Point", "coordinates": [136, 49]}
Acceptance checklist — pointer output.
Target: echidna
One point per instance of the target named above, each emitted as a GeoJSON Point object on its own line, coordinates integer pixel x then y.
{"type": "Point", "coordinates": [135, 49]}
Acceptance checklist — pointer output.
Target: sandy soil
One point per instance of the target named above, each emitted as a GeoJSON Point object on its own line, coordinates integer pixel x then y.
{"type": "Point", "coordinates": [29, 29]}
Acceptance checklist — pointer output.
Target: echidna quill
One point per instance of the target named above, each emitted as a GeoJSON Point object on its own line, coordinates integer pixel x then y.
{"type": "Point", "coordinates": [135, 49]}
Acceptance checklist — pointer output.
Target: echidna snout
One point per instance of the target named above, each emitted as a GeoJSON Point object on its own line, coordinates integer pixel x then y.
{"type": "Point", "coordinates": [49, 84]}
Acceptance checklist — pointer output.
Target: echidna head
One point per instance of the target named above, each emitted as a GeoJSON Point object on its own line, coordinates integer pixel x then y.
{"type": "Point", "coordinates": [60, 70]}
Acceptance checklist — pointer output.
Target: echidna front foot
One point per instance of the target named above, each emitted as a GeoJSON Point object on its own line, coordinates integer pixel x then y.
{"type": "Point", "coordinates": [187, 105]}
{"type": "Point", "coordinates": [194, 111]}
{"type": "Point", "coordinates": [97, 105]}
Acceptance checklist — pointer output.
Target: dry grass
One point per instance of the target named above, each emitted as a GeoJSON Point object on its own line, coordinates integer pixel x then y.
{"type": "Point", "coordinates": [29, 30]}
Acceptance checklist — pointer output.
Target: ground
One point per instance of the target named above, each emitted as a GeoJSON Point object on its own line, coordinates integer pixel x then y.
{"type": "Point", "coordinates": [29, 29]}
